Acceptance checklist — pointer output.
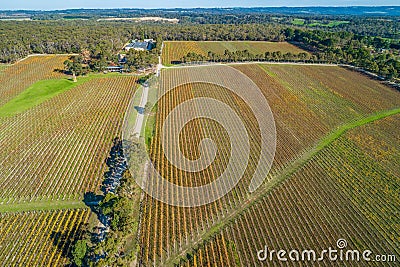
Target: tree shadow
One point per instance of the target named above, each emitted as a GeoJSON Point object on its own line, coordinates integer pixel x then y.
{"type": "Point", "coordinates": [64, 241]}
{"type": "Point", "coordinates": [140, 110]}
{"type": "Point", "coordinates": [116, 164]}
{"type": "Point", "coordinates": [60, 71]}
{"type": "Point", "coordinates": [116, 167]}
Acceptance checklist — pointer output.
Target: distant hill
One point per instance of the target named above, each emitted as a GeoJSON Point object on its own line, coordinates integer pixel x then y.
{"type": "Point", "coordinates": [178, 12]}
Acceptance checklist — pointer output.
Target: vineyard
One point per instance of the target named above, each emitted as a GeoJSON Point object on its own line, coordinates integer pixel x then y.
{"type": "Point", "coordinates": [327, 181]}
{"type": "Point", "coordinates": [341, 193]}
{"type": "Point", "coordinates": [53, 151]}
{"type": "Point", "coordinates": [174, 51]}
{"type": "Point", "coordinates": [308, 102]}
{"type": "Point", "coordinates": [39, 238]}
{"type": "Point", "coordinates": [3, 67]}
{"type": "Point", "coordinates": [56, 150]}
{"type": "Point", "coordinates": [16, 78]}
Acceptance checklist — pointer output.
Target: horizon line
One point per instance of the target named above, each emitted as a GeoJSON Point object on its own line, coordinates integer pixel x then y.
{"type": "Point", "coordinates": [183, 8]}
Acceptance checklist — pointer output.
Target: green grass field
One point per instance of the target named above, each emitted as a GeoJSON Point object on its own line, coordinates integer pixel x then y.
{"type": "Point", "coordinates": [298, 22]}
{"type": "Point", "coordinates": [329, 25]}
{"type": "Point", "coordinates": [316, 23]}
{"type": "Point", "coordinates": [41, 91]}
{"type": "Point", "coordinates": [36, 94]}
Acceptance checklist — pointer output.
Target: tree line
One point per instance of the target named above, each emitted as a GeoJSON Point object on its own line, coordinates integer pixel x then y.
{"type": "Point", "coordinates": [118, 208]}
{"type": "Point", "coordinates": [245, 55]}
{"type": "Point", "coordinates": [375, 54]}
{"type": "Point", "coordinates": [103, 40]}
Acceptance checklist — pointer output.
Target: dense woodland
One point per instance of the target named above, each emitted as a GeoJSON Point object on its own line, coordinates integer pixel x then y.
{"type": "Point", "coordinates": [375, 54]}
{"type": "Point", "coordinates": [374, 21]}
{"type": "Point", "coordinates": [101, 41]}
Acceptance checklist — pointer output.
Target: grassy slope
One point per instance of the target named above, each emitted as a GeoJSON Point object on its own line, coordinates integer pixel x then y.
{"type": "Point", "coordinates": [40, 92]}
{"type": "Point", "coordinates": [36, 94]}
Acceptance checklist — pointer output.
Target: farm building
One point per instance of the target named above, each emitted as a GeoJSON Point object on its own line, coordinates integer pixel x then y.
{"type": "Point", "coordinates": [137, 45]}
{"type": "Point", "coordinates": [115, 68]}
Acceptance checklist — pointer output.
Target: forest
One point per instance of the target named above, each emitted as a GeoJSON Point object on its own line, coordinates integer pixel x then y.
{"type": "Point", "coordinates": [369, 42]}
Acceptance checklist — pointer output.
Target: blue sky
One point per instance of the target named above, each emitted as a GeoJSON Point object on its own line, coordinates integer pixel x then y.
{"type": "Point", "coordinates": [52, 4]}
